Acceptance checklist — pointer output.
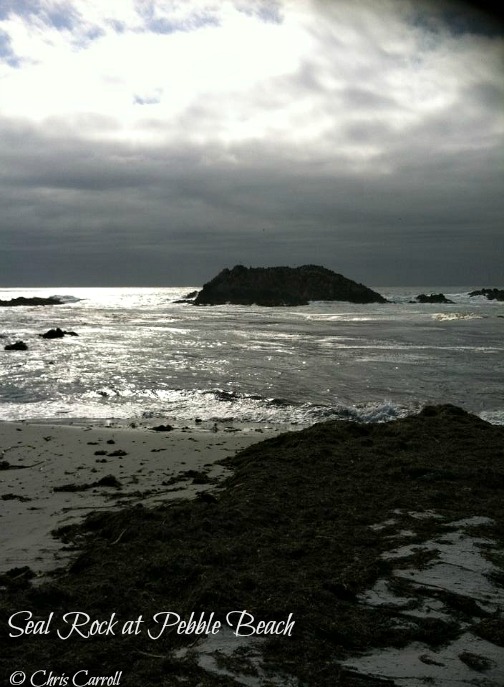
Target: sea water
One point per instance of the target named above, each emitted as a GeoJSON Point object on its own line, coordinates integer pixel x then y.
{"type": "Point", "coordinates": [139, 354]}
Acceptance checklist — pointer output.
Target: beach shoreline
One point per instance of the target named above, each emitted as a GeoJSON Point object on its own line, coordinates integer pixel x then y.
{"type": "Point", "coordinates": [55, 473]}
{"type": "Point", "coordinates": [378, 547]}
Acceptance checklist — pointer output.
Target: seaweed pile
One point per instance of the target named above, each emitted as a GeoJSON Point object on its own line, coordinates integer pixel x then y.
{"type": "Point", "coordinates": [291, 531]}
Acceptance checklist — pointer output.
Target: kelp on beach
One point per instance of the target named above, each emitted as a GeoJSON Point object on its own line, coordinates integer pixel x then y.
{"type": "Point", "coordinates": [291, 531]}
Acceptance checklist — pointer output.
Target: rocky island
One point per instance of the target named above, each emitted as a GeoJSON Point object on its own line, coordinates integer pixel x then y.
{"type": "Point", "coordinates": [283, 286]}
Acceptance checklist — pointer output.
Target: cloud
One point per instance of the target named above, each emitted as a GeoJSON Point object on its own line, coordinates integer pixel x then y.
{"type": "Point", "coordinates": [170, 17]}
{"type": "Point", "coordinates": [198, 134]}
{"type": "Point", "coordinates": [7, 54]}
{"type": "Point", "coordinates": [265, 10]}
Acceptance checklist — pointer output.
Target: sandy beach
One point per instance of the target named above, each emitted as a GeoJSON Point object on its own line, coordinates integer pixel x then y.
{"type": "Point", "coordinates": [341, 554]}
{"type": "Point", "coordinates": [53, 475]}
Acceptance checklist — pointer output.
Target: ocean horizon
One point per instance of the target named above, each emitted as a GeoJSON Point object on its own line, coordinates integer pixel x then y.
{"type": "Point", "coordinates": [139, 354]}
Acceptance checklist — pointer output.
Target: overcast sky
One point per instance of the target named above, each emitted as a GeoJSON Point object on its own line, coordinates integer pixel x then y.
{"type": "Point", "coordinates": [154, 142]}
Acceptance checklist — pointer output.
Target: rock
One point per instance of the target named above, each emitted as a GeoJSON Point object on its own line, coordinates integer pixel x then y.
{"type": "Point", "coordinates": [188, 298]}
{"type": "Point", "coordinates": [52, 300]}
{"type": "Point", "coordinates": [53, 334]}
{"type": "Point", "coordinates": [433, 298]}
{"type": "Point", "coordinates": [162, 428]}
{"type": "Point", "coordinates": [57, 334]}
{"type": "Point", "coordinates": [108, 481]}
{"type": "Point", "coordinates": [491, 294]}
{"type": "Point", "coordinates": [476, 661]}
{"type": "Point", "coordinates": [283, 286]}
{"type": "Point", "coordinates": [18, 346]}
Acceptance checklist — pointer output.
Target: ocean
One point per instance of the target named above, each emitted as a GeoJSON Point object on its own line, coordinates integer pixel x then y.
{"type": "Point", "coordinates": [140, 357]}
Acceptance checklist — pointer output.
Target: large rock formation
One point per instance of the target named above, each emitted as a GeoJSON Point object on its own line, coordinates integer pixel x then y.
{"type": "Point", "coordinates": [277, 286]}
{"type": "Point", "coordinates": [34, 300]}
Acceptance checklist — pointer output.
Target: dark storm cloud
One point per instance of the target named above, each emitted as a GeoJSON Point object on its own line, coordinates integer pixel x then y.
{"type": "Point", "coordinates": [461, 18]}
{"type": "Point", "coordinates": [94, 203]}
{"type": "Point", "coordinates": [381, 159]}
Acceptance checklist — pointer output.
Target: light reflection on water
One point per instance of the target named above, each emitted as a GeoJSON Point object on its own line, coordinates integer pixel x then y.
{"type": "Point", "coordinates": [138, 351]}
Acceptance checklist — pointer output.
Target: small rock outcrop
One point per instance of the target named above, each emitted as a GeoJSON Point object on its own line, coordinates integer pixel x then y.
{"type": "Point", "coordinates": [491, 294]}
{"type": "Point", "coordinates": [283, 286]}
{"type": "Point", "coordinates": [162, 428]}
{"type": "Point", "coordinates": [18, 346]}
{"type": "Point", "coordinates": [35, 300]}
{"type": "Point", "coordinates": [57, 334]}
{"type": "Point", "coordinates": [188, 298]}
{"type": "Point", "coordinates": [433, 298]}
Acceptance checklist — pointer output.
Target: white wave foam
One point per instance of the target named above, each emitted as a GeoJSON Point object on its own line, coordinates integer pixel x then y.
{"type": "Point", "coordinates": [375, 411]}
{"type": "Point", "coordinates": [495, 417]}
{"type": "Point", "coordinates": [456, 316]}
{"type": "Point", "coordinates": [67, 298]}
{"type": "Point", "coordinates": [442, 316]}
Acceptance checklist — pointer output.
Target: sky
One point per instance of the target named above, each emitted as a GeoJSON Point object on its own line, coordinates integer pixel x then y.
{"type": "Point", "coordinates": [155, 142]}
